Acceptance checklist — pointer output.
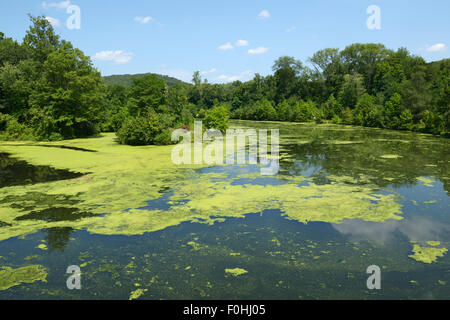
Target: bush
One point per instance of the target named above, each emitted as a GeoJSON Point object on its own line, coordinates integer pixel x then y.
{"type": "Point", "coordinates": [11, 129]}
{"type": "Point", "coordinates": [114, 119]}
{"type": "Point", "coordinates": [336, 120]}
{"type": "Point", "coordinates": [150, 129]}
{"type": "Point", "coordinates": [264, 111]}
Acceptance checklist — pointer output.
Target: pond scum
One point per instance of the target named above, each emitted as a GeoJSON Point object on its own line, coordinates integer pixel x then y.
{"type": "Point", "coordinates": [119, 178]}
{"type": "Point", "coordinates": [119, 181]}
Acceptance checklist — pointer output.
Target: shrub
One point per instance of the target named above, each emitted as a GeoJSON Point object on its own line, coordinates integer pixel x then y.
{"type": "Point", "coordinates": [11, 129]}
{"type": "Point", "coordinates": [150, 129]}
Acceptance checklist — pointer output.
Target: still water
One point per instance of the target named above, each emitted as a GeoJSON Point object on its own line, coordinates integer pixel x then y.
{"type": "Point", "coordinates": [345, 198]}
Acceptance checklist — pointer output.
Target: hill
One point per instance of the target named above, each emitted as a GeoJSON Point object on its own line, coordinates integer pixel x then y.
{"type": "Point", "coordinates": [125, 79]}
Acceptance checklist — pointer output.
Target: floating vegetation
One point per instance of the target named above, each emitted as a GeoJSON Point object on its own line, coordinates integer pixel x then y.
{"type": "Point", "coordinates": [427, 254]}
{"type": "Point", "coordinates": [42, 246]}
{"type": "Point", "coordinates": [122, 178]}
{"type": "Point", "coordinates": [137, 294]}
{"type": "Point", "coordinates": [426, 181]}
{"type": "Point", "coordinates": [236, 272]}
{"type": "Point", "coordinates": [10, 277]}
{"type": "Point", "coordinates": [390, 156]}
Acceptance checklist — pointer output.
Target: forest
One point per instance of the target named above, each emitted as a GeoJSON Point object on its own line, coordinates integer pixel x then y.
{"type": "Point", "coordinates": [50, 90]}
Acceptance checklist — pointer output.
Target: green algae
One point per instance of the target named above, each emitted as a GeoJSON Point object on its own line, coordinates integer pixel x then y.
{"type": "Point", "coordinates": [390, 156]}
{"type": "Point", "coordinates": [427, 254]}
{"type": "Point", "coordinates": [426, 181]}
{"type": "Point", "coordinates": [137, 294]}
{"type": "Point", "coordinates": [119, 178]}
{"type": "Point", "coordinates": [236, 272]}
{"type": "Point", "coordinates": [10, 277]}
{"type": "Point", "coordinates": [42, 247]}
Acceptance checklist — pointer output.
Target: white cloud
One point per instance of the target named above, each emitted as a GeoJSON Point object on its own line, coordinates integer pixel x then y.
{"type": "Point", "coordinates": [118, 56]}
{"type": "Point", "coordinates": [226, 46]}
{"type": "Point", "coordinates": [180, 74]}
{"type": "Point", "coordinates": [259, 50]}
{"type": "Point", "coordinates": [213, 70]}
{"type": "Point", "coordinates": [53, 21]}
{"type": "Point", "coordinates": [243, 76]}
{"type": "Point", "coordinates": [57, 5]}
{"type": "Point", "coordinates": [265, 14]}
{"type": "Point", "coordinates": [143, 20]}
{"type": "Point", "coordinates": [291, 29]}
{"type": "Point", "coordinates": [241, 43]}
{"type": "Point", "coordinates": [437, 47]}
{"type": "Point", "coordinates": [226, 78]}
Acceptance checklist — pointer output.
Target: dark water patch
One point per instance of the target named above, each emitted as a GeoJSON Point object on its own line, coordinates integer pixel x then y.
{"type": "Point", "coordinates": [56, 214]}
{"type": "Point", "coordinates": [52, 146]}
{"type": "Point", "coordinates": [4, 224]}
{"type": "Point", "coordinates": [163, 203]}
{"type": "Point", "coordinates": [14, 172]}
{"type": "Point", "coordinates": [30, 200]}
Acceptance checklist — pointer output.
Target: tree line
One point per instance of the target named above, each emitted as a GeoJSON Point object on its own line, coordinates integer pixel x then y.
{"type": "Point", "coordinates": [50, 90]}
{"type": "Point", "coordinates": [364, 84]}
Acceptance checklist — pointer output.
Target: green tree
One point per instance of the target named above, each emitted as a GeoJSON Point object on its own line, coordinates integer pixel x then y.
{"type": "Point", "coordinates": [148, 92]}
{"type": "Point", "coordinates": [68, 98]}
{"type": "Point", "coordinates": [217, 118]}
{"type": "Point", "coordinates": [40, 39]}
{"type": "Point", "coordinates": [264, 111]}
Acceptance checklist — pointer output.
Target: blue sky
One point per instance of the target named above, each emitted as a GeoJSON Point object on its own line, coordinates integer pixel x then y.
{"type": "Point", "coordinates": [230, 40]}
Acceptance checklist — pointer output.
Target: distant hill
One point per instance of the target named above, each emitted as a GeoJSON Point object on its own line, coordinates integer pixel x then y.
{"type": "Point", "coordinates": [125, 79]}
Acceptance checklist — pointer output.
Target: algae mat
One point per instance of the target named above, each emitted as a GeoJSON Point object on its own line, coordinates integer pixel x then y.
{"type": "Point", "coordinates": [118, 179]}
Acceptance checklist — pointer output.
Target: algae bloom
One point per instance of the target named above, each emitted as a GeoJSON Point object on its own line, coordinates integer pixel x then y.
{"type": "Point", "coordinates": [427, 254]}
{"type": "Point", "coordinates": [10, 277]}
{"type": "Point", "coordinates": [137, 294]}
{"type": "Point", "coordinates": [236, 272]}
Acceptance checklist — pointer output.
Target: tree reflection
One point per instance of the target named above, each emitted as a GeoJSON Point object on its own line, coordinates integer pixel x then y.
{"type": "Point", "coordinates": [57, 238]}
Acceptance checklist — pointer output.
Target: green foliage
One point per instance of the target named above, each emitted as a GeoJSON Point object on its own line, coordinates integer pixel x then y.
{"type": "Point", "coordinates": [11, 129]}
{"type": "Point", "coordinates": [364, 84]}
{"type": "Point", "coordinates": [217, 118]}
{"type": "Point", "coordinates": [148, 92]}
{"type": "Point", "coordinates": [70, 92]}
{"type": "Point", "coordinates": [50, 88]}
{"type": "Point", "coordinates": [264, 111]}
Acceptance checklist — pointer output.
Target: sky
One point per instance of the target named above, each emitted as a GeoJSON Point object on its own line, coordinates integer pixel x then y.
{"type": "Point", "coordinates": [229, 40]}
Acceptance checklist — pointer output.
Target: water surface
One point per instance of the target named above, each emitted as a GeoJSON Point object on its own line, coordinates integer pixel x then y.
{"type": "Point", "coordinates": [357, 197]}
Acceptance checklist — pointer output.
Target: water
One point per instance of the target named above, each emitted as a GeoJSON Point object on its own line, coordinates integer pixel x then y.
{"type": "Point", "coordinates": [284, 258]}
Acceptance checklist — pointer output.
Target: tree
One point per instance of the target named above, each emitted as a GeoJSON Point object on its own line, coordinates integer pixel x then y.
{"type": "Point", "coordinates": [264, 111]}
{"type": "Point", "coordinates": [328, 65]}
{"type": "Point", "coordinates": [286, 71]}
{"type": "Point", "coordinates": [365, 104]}
{"type": "Point", "coordinates": [363, 59]}
{"type": "Point", "coordinates": [217, 118]}
{"type": "Point", "coordinates": [392, 111]}
{"type": "Point", "coordinates": [352, 89]}
{"type": "Point", "coordinates": [148, 92]}
{"type": "Point", "coordinates": [41, 39]}
{"type": "Point", "coordinates": [67, 100]}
